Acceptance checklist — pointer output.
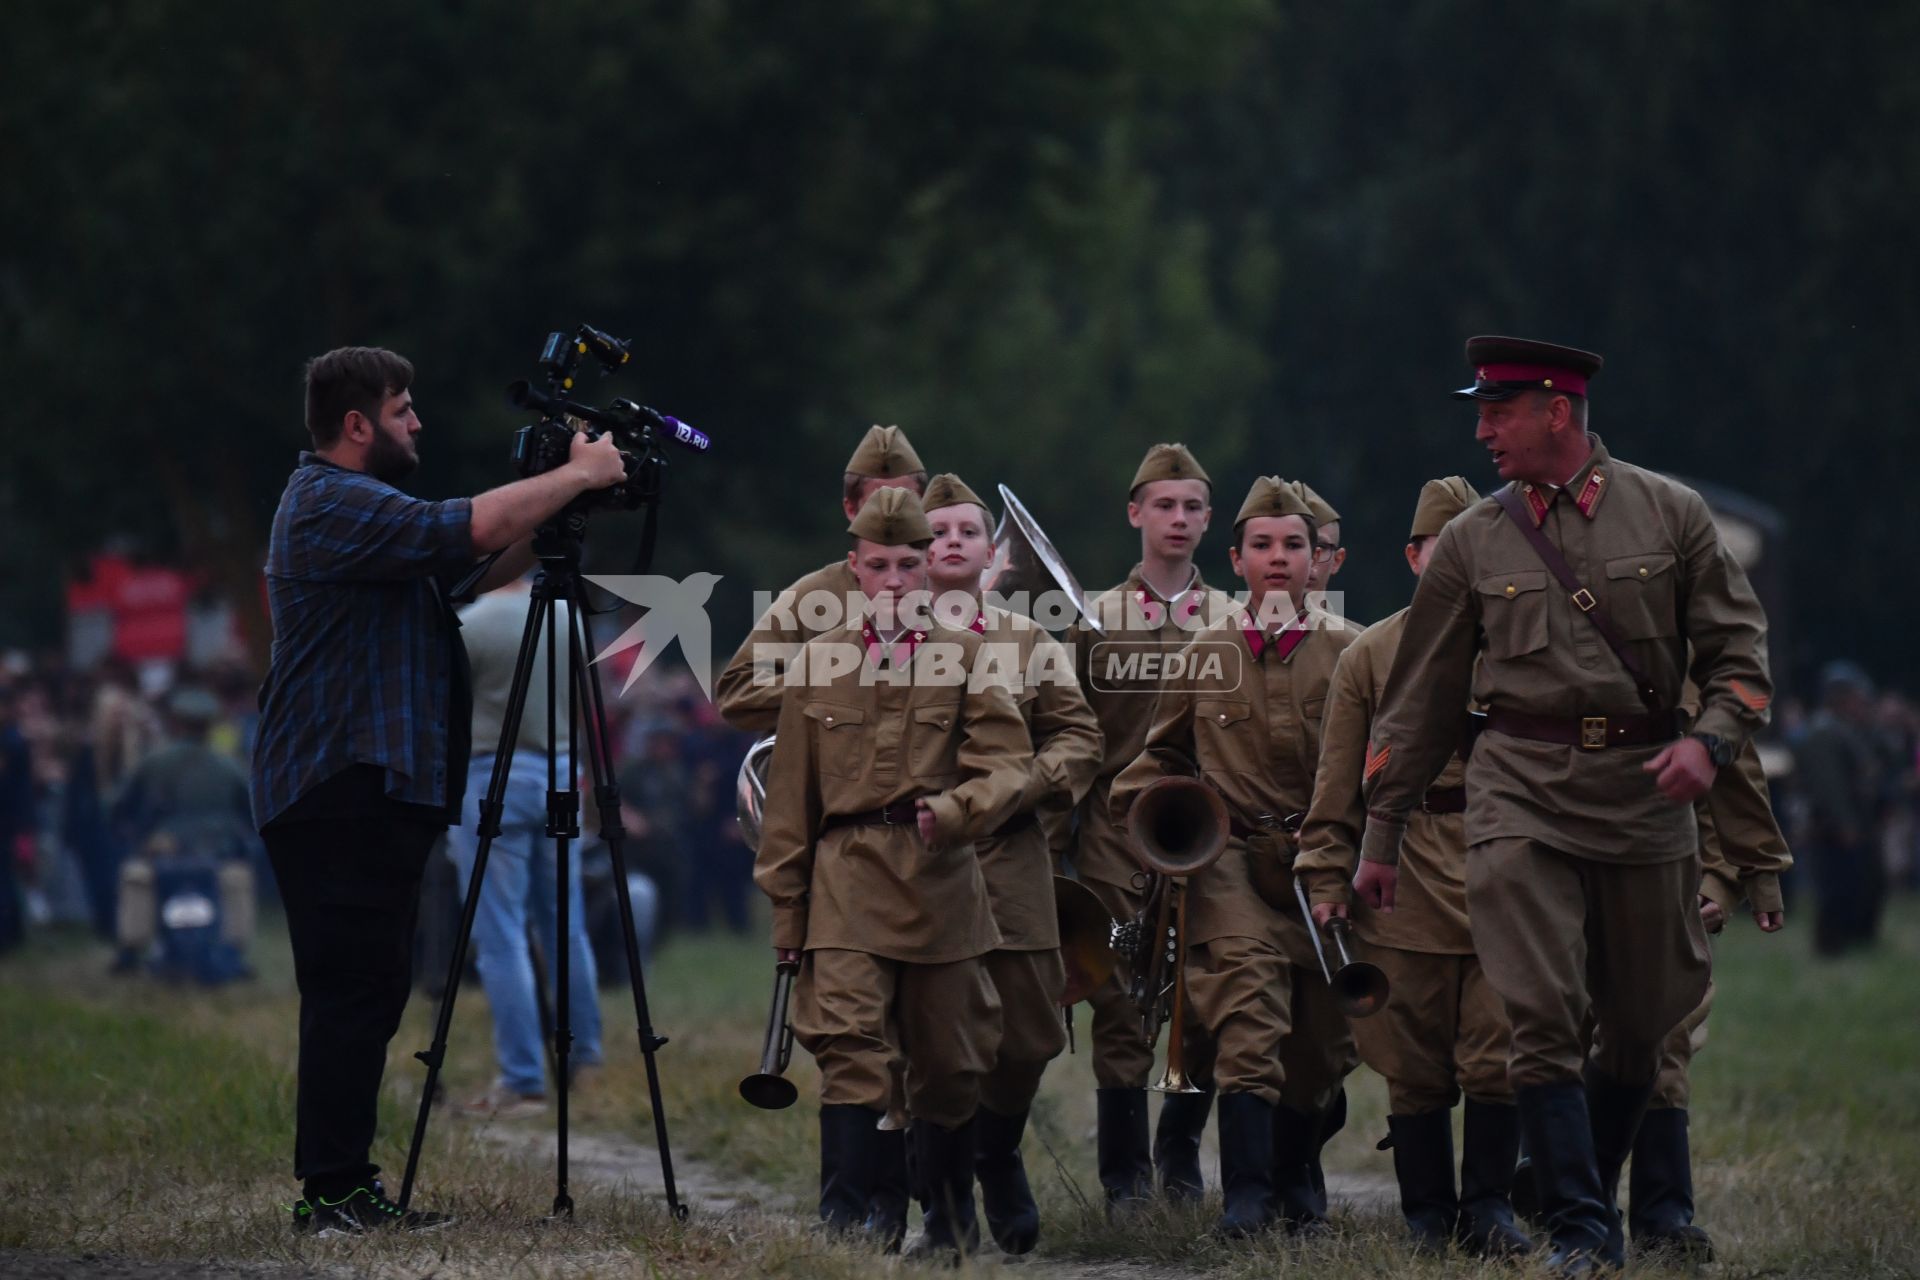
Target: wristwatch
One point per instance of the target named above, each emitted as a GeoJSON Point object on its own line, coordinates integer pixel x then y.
{"type": "Point", "coordinates": [1719, 750]}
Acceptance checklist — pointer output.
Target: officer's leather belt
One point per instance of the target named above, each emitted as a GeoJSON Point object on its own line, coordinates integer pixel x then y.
{"type": "Point", "coordinates": [1591, 733]}
{"type": "Point", "coordinates": [901, 813]}
{"type": "Point", "coordinates": [1444, 800]}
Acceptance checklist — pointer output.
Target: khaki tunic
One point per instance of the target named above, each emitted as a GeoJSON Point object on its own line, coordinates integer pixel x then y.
{"type": "Point", "coordinates": [749, 690]}
{"type": "Point", "coordinates": [1430, 900]}
{"type": "Point", "coordinates": [1066, 755]}
{"type": "Point", "coordinates": [1253, 726]}
{"type": "Point", "coordinates": [1647, 547]}
{"type": "Point", "coordinates": [871, 737]}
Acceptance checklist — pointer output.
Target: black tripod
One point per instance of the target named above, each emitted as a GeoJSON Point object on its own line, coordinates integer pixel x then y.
{"type": "Point", "coordinates": [557, 545]}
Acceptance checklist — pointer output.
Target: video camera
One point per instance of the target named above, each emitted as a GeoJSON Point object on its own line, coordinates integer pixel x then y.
{"type": "Point", "coordinates": [638, 430]}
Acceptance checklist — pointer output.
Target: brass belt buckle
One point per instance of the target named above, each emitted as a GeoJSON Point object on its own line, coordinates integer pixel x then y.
{"type": "Point", "coordinates": [1593, 733]}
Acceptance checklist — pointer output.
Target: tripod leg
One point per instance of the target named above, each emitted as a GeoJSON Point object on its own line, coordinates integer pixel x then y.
{"type": "Point", "coordinates": [563, 825]}
{"type": "Point", "coordinates": [491, 807]}
{"type": "Point", "coordinates": [607, 798]}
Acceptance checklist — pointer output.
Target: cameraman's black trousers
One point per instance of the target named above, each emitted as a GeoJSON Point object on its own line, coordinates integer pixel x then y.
{"type": "Point", "coordinates": [351, 886]}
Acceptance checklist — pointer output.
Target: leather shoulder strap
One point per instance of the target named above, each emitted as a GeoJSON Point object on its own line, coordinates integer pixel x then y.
{"type": "Point", "coordinates": [1583, 599]}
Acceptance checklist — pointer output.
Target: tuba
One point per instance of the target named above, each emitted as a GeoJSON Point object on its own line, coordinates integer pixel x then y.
{"type": "Point", "coordinates": [1086, 939]}
{"type": "Point", "coordinates": [1178, 828]}
{"type": "Point", "coordinates": [750, 792]}
{"type": "Point", "coordinates": [1025, 562]}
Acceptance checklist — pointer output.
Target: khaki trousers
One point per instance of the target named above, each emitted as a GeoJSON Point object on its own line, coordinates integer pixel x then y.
{"type": "Point", "coordinates": [1562, 937]}
{"type": "Point", "coordinates": [1444, 1031]}
{"type": "Point", "coordinates": [856, 1012]}
{"type": "Point", "coordinates": [1032, 1034]}
{"type": "Point", "coordinates": [1121, 1057]}
{"type": "Point", "coordinates": [1673, 1087]}
{"type": "Point", "coordinates": [1272, 1027]}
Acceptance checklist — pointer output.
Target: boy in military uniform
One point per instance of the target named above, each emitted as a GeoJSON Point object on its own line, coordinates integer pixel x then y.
{"type": "Point", "coordinates": [748, 691]}
{"type": "Point", "coordinates": [1026, 968]}
{"type": "Point", "coordinates": [1565, 606]}
{"type": "Point", "coordinates": [892, 758]}
{"type": "Point", "coordinates": [1444, 1031]}
{"type": "Point", "coordinates": [1248, 715]}
{"type": "Point", "coordinates": [1155, 612]}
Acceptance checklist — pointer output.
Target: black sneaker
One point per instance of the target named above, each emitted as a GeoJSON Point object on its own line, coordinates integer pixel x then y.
{"type": "Point", "coordinates": [362, 1210]}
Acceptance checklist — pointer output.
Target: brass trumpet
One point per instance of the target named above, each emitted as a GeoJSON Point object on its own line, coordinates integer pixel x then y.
{"type": "Point", "coordinates": [768, 1088]}
{"type": "Point", "coordinates": [1178, 828]}
{"type": "Point", "coordinates": [1361, 988]}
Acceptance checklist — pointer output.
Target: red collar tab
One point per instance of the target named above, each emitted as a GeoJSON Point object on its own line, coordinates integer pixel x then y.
{"type": "Point", "coordinates": [979, 624]}
{"type": "Point", "coordinates": [903, 646]}
{"type": "Point", "coordinates": [1590, 492]}
{"type": "Point", "coordinates": [1537, 504]}
{"type": "Point", "coordinates": [1284, 643]}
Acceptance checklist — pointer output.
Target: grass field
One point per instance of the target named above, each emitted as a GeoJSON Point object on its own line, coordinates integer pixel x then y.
{"type": "Point", "coordinates": [148, 1122]}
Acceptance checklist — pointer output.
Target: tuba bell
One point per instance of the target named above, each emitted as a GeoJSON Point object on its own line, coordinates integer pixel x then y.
{"type": "Point", "coordinates": [750, 792]}
{"type": "Point", "coordinates": [1025, 563]}
{"type": "Point", "coordinates": [1086, 939]}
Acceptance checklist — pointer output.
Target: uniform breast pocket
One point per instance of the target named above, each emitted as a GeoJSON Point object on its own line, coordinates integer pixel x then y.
{"type": "Point", "coordinates": [1217, 722]}
{"type": "Point", "coordinates": [843, 738]}
{"type": "Point", "coordinates": [1640, 595]}
{"type": "Point", "coordinates": [1313, 711]}
{"type": "Point", "coordinates": [1513, 612]}
{"type": "Point", "coordinates": [931, 741]}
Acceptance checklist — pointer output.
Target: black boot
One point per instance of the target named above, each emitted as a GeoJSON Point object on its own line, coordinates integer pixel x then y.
{"type": "Point", "coordinates": [892, 1189]}
{"type": "Point", "coordinates": [943, 1170]}
{"type": "Point", "coordinates": [1012, 1216]}
{"type": "Point", "coordinates": [1176, 1144]}
{"type": "Point", "coordinates": [1573, 1208]}
{"type": "Point", "coordinates": [1334, 1122]}
{"type": "Point", "coordinates": [1423, 1165]}
{"type": "Point", "coordinates": [1487, 1172]}
{"type": "Point", "coordinates": [1297, 1138]}
{"type": "Point", "coordinates": [1660, 1190]}
{"type": "Point", "coordinates": [1614, 1109]}
{"type": "Point", "coordinates": [1246, 1164]}
{"type": "Point", "coordinates": [848, 1150]}
{"type": "Point", "coordinates": [1126, 1169]}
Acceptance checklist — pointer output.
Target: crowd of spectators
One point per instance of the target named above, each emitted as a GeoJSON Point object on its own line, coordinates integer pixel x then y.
{"type": "Point", "coordinates": [1845, 765]}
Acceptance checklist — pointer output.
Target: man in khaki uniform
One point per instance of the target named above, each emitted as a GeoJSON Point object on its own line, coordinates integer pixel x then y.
{"type": "Point", "coordinates": [1328, 555]}
{"type": "Point", "coordinates": [1026, 969]}
{"type": "Point", "coordinates": [1582, 870]}
{"type": "Point", "coordinates": [1247, 713]}
{"type": "Point", "coordinates": [1153, 614]}
{"type": "Point", "coordinates": [748, 691]}
{"type": "Point", "coordinates": [890, 762]}
{"type": "Point", "coordinates": [1444, 1030]}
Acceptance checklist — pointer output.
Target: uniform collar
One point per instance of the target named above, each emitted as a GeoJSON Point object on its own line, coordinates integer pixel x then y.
{"type": "Point", "coordinates": [1588, 486]}
{"type": "Point", "coordinates": [1283, 642]}
{"type": "Point", "coordinates": [1186, 603]}
{"type": "Point", "coordinates": [902, 651]}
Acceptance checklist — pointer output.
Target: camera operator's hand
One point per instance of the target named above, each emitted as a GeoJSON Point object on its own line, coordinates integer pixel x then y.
{"type": "Point", "coordinates": [598, 462]}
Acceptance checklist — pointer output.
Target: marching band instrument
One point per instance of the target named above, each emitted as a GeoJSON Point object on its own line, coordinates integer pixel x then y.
{"type": "Point", "coordinates": [768, 1088]}
{"type": "Point", "coordinates": [750, 792]}
{"type": "Point", "coordinates": [1086, 939]}
{"type": "Point", "coordinates": [1178, 827]}
{"type": "Point", "coordinates": [1025, 562]}
{"type": "Point", "coordinates": [1360, 988]}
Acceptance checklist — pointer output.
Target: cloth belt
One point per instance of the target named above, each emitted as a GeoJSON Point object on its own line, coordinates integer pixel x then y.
{"type": "Point", "coordinates": [1592, 733]}
{"type": "Point", "coordinates": [1444, 800]}
{"type": "Point", "coordinates": [901, 813]}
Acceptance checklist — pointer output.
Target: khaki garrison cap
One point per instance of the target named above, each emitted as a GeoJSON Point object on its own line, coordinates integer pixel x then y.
{"type": "Point", "coordinates": [1272, 496]}
{"type": "Point", "coordinates": [949, 490]}
{"type": "Point", "coordinates": [1440, 501]}
{"type": "Point", "coordinates": [1318, 507]}
{"type": "Point", "coordinates": [1169, 462]}
{"type": "Point", "coordinates": [892, 518]}
{"type": "Point", "coordinates": [884, 454]}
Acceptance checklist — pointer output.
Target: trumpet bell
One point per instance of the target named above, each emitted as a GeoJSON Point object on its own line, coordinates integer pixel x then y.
{"type": "Point", "coordinates": [750, 794]}
{"type": "Point", "coordinates": [1086, 939]}
{"type": "Point", "coordinates": [1361, 989]}
{"type": "Point", "coordinates": [1025, 563]}
{"type": "Point", "coordinates": [769, 1092]}
{"type": "Point", "coordinates": [1177, 826]}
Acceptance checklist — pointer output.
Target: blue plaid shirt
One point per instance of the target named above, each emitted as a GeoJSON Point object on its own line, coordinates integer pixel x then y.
{"type": "Point", "coordinates": [362, 667]}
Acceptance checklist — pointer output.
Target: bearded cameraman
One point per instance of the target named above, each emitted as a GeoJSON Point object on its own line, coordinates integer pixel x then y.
{"type": "Point", "coordinates": [361, 758]}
